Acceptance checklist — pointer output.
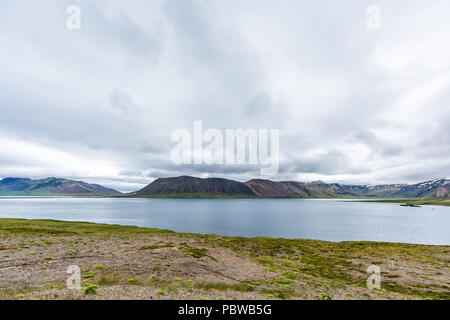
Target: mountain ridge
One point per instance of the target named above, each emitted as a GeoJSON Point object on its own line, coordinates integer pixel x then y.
{"type": "Point", "coordinates": [260, 188]}
{"type": "Point", "coordinates": [187, 186]}
{"type": "Point", "coordinates": [52, 186]}
{"type": "Point", "coordinates": [193, 185]}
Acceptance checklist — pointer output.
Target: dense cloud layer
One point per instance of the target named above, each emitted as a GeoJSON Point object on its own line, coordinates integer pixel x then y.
{"type": "Point", "coordinates": [353, 105]}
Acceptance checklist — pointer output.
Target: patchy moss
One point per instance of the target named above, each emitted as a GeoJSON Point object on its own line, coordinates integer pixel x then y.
{"type": "Point", "coordinates": [285, 281]}
{"type": "Point", "coordinates": [153, 247]}
{"type": "Point", "coordinates": [65, 228]}
{"type": "Point", "coordinates": [197, 253]}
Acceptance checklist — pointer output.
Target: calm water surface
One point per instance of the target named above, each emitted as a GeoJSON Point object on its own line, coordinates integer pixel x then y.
{"type": "Point", "coordinates": [333, 220]}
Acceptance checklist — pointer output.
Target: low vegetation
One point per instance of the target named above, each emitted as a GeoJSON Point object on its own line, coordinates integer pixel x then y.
{"type": "Point", "coordinates": [122, 262]}
{"type": "Point", "coordinates": [415, 202]}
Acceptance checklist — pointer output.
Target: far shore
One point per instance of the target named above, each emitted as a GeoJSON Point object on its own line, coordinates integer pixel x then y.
{"type": "Point", "coordinates": [413, 202]}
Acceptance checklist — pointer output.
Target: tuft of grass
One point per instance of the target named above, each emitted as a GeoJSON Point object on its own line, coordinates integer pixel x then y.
{"type": "Point", "coordinates": [325, 296]}
{"type": "Point", "coordinates": [242, 287]}
{"type": "Point", "coordinates": [108, 278]}
{"type": "Point", "coordinates": [98, 267]}
{"type": "Point", "coordinates": [285, 281]}
{"type": "Point", "coordinates": [89, 275]}
{"type": "Point", "coordinates": [132, 279]}
{"type": "Point", "coordinates": [91, 288]}
{"type": "Point", "coordinates": [289, 275]}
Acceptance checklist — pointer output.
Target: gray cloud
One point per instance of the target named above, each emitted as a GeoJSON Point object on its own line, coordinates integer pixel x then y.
{"type": "Point", "coordinates": [100, 104]}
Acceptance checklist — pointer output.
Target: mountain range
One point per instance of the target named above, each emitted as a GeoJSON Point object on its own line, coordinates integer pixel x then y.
{"type": "Point", "coordinates": [51, 186]}
{"type": "Point", "coordinates": [186, 186]}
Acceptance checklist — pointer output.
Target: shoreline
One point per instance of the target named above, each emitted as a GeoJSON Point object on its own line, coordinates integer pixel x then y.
{"type": "Point", "coordinates": [199, 234]}
{"type": "Point", "coordinates": [126, 262]}
{"type": "Point", "coordinates": [413, 202]}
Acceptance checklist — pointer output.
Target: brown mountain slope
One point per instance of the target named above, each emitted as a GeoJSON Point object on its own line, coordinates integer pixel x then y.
{"type": "Point", "coordinates": [271, 189]}
{"type": "Point", "coordinates": [443, 191]}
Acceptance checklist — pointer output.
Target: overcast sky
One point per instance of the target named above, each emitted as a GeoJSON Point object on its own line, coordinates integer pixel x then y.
{"type": "Point", "coordinates": [353, 104]}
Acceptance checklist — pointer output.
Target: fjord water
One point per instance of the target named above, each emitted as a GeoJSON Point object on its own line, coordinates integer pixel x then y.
{"type": "Point", "coordinates": [333, 220]}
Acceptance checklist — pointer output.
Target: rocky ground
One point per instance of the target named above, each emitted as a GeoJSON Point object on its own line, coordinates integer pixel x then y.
{"type": "Point", "coordinates": [119, 262]}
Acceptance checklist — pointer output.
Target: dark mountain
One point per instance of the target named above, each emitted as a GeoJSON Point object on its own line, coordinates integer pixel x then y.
{"type": "Point", "coordinates": [190, 186]}
{"type": "Point", "coordinates": [194, 186]}
{"type": "Point", "coordinates": [51, 186]}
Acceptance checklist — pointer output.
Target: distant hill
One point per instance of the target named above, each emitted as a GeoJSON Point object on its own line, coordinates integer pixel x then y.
{"type": "Point", "coordinates": [419, 190]}
{"type": "Point", "coordinates": [194, 187]}
{"type": "Point", "coordinates": [51, 187]}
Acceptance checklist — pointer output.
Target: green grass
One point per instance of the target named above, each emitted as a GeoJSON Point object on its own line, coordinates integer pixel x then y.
{"type": "Point", "coordinates": [65, 228]}
{"type": "Point", "coordinates": [196, 252]}
{"type": "Point", "coordinates": [242, 287]}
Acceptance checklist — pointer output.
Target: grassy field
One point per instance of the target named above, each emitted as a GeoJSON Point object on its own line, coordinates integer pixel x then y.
{"type": "Point", "coordinates": [124, 262]}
